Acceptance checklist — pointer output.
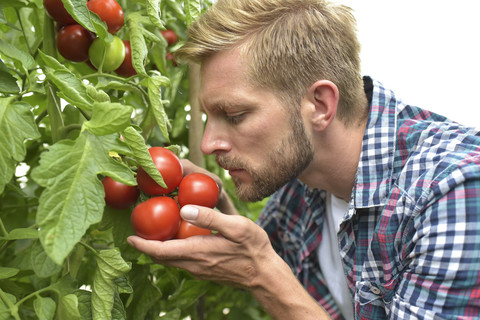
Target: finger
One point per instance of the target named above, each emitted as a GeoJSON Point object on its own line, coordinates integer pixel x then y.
{"type": "Point", "coordinates": [161, 250]}
{"type": "Point", "coordinates": [233, 227]}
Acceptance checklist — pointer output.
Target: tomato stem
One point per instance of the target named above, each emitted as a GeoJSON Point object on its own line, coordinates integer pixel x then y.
{"type": "Point", "coordinates": [23, 31]}
{"type": "Point", "coordinates": [13, 308]}
{"type": "Point", "coordinates": [53, 107]}
{"type": "Point", "coordinates": [2, 227]}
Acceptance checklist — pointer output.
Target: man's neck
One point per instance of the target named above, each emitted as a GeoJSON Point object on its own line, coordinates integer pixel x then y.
{"type": "Point", "coordinates": [337, 153]}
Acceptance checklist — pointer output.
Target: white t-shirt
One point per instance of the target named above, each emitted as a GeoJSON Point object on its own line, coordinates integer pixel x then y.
{"type": "Point", "coordinates": [329, 256]}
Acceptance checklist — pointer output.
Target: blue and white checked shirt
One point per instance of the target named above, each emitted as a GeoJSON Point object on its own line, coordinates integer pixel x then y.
{"type": "Point", "coordinates": [410, 241]}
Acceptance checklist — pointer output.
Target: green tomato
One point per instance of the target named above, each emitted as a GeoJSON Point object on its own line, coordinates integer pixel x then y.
{"type": "Point", "coordinates": [114, 53]}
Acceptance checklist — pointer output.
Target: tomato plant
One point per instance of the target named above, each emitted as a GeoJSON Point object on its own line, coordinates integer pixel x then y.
{"type": "Point", "coordinates": [73, 42]}
{"type": "Point", "coordinates": [171, 36]}
{"type": "Point", "coordinates": [109, 11]}
{"type": "Point", "coordinates": [56, 10]}
{"type": "Point", "coordinates": [126, 69]}
{"type": "Point", "coordinates": [119, 195]}
{"type": "Point", "coordinates": [111, 54]}
{"type": "Point", "coordinates": [187, 230]}
{"type": "Point", "coordinates": [158, 218]}
{"type": "Point", "coordinates": [198, 188]}
{"type": "Point", "coordinates": [63, 251]}
{"type": "Point", "coordinates": [169, 167]}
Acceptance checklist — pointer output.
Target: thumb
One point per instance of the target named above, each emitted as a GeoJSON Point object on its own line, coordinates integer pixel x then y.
{"type": "Point", "coordinates": [229, 226]}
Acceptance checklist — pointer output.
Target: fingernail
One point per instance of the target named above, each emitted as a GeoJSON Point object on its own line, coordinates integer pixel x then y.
{"type": "Point", "coordinates": [189, 213]}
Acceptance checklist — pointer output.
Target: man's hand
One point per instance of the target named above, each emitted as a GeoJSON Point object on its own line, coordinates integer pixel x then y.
{"type": "Point", "coordinates": [235, 255]}
{"type": "Point", "coordinates": [240, 254]}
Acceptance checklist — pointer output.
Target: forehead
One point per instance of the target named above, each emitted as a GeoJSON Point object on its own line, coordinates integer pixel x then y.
{"type": "Point", "coordinates": [223, 78]}
{"type": "Point", "coordinates": [224, 67]}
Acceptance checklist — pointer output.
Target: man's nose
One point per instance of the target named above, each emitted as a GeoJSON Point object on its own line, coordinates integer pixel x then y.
{"type": "Point", "coordinates": [214, 140]}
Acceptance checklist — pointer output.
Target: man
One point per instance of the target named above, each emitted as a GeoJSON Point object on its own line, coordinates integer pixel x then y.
{"type": "Point", "coordinates": [375, 212]}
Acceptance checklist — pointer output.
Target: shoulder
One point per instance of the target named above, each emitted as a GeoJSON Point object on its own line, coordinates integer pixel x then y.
{"type": "Point", "coordinates": [433, 155]}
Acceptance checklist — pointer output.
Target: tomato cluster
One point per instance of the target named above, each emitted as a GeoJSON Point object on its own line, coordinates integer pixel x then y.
{"type": "Point", "coordinates": [77, 44]}
{"type": "Point", "coordinates": [158, 217]}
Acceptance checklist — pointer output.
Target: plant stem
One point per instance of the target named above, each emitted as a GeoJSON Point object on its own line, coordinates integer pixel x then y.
{"type": "Point", "coordinates": [53, 107]}
{"type": "Point", "coordinates": [196, 123]}
{"type": "Point", "coordinates": [2, 228]}
{"type": "Point", "coordinates": [106, 75]}
{"type": "Point", "coordinates": [23, 31]}
{"type": "Point", "coordinates": [67, 129]}
{"type": "Point", "coordinates": [13, 308]}
{"type": "Point", "coordinates": [36, 293]}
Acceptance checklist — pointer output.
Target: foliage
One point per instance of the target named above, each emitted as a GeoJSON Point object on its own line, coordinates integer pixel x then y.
{"type": "Point", "coordinates": [64, 126]}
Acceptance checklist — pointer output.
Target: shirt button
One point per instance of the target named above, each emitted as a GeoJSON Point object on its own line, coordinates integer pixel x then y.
{"type": "Point", "coordinates": [375, 290]}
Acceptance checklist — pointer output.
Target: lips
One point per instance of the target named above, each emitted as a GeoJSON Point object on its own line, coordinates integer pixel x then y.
{"type": "Point", "coordinates": [233, 166]}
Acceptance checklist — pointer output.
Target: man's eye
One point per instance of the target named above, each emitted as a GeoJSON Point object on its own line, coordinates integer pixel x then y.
{"type": "Point", "coordinates": [235, 119]}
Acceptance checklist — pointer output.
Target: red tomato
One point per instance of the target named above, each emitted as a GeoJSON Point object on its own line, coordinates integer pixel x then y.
{"type": "Point", "coordinates": [118, 195]}
{"type": "Point", "coordinates": [109, 11]}
{"type": "Point", "coordinates": [198, 188]}
{"type": "Point", "coordinates": [158, 218]}
{"type": "Point", "coordinates": [73, 42]}
{"type": "Point", "coordinates": [187, 230]}
{"type": "Point", "coordinates": [170, 36]}
{"type": "Point", "coordinates": [56, 10]}
{"type": "Point", "coordinates": [170, 168]}
{"type": "Point", "coordinates": [126, 68]}
{"type": "Point", "coordinates": [170, 57]}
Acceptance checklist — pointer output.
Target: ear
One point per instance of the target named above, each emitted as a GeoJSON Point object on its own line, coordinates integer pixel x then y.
{"type": "Point", "coordinates": [323, 96]}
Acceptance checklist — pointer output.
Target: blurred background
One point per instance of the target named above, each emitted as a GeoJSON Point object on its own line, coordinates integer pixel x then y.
{"type": "Point", "coordinates": [427, 51]}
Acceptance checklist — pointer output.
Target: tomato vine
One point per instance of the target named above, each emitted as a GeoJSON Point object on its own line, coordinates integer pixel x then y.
{"type": "Point", "coordinates": [65, 126]}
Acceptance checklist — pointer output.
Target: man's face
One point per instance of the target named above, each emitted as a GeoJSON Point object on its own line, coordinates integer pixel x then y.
{"type": "Point", "coordinates": [253, 136]}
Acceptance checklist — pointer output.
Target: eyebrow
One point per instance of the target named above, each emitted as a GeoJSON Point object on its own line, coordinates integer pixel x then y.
{"type": "Point", "coordinates": [222, 106]}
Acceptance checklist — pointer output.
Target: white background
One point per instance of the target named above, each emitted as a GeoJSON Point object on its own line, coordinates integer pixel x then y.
{"type": "Point", "coordinates": [427, 52]}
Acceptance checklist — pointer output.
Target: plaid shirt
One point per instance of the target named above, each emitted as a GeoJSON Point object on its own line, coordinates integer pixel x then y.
{"type": "Point", "coordinates": [410, 241]}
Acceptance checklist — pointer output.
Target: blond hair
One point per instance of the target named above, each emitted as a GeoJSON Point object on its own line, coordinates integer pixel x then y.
{"type": "Point", "coordinates": [287, 44]}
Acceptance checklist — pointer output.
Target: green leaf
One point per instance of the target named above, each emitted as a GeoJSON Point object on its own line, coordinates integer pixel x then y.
{"type": "Point", "coordinates": [176, 8]}
{"type": "Point", "coordinates": [137, 42]}
{"type": "Point", "coordinates": [116, 85]}
{"type": "Point", "coordinates": [154, 13]}
{"type": "Point", "coordinates": [174, 314]}
{"type": "Point", "coordinates": [97, 95]}
{"type": "Point", "coordinates": [110, 265]}
{"type": "Point", "coordinates": [6, 273]}
{"type": "Point", "coordinates": [42, 265]}
{"type": "Point", "coordinates": [21, 233]}
{"type": "Point", "coordinates": [192, 10]}
{"type": "Point", "coordinates": [24, 58]}
{"type": "Point", "coordinates": [17, 3]}
{"type": "Point", "coordinates": [8, 83]}
{"type": "Point", "coordinates": [5, 313]}
{"type": "Point", "coordinates": [16, 125]}
{"type": "Point", "coordinates": [188, 293]}
{"type": "Point", "coordinates": [79, 11]}
{"type": "Point", "coordinates": [108, 118]}
{"type": "Point", "coordinates": [146, 294]}
{"type": "Point", "coordinates": [72, 89]}
{"type": "Point", "coordinates": [68, 308]}
{"type": "Point", "coordinates": [155, 96]}
{"type": "Point", "coordinates": [84, 303]}
{"type": "Point", "coordinates": [73, 198]}
{"type": "Point", "coordinates": [44, 307]}
{"type": "Point", "coordinates": [140, 151]}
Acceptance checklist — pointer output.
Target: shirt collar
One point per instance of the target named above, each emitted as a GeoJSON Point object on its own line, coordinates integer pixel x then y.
{"type": "Point", "coordinates": [374, 174]}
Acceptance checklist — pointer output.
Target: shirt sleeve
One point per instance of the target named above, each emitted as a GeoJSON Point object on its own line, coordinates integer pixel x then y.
{"type": "Point", "coordinates": [441, 278]}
